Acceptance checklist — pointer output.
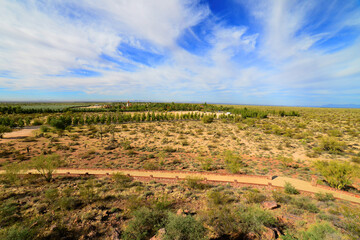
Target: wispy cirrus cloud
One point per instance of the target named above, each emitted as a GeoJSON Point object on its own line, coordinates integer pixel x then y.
{"type": "Point", "coordinates": [269, 52]}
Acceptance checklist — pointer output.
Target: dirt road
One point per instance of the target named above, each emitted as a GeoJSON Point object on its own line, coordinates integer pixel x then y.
{"type": "Point", "coordinates": [177, 175]}
{"type": "Point", "coordinates": [18, 134]}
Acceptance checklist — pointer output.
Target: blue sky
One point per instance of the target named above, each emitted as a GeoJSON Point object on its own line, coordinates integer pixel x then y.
{"type": "Point", "coordinates": [279, 52]}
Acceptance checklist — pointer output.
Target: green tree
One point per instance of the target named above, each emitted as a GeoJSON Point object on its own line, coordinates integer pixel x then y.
{"type": "Point", "coordinates": [4, 129]}
{"type": "Point", "coordinates": [46, 165]}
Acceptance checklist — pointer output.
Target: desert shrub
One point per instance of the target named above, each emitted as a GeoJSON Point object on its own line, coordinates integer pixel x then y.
{"type": "Point", "coordinates": [281, 197]}
{"type": "Point", "coordinates": [237, 223]}
{"type": "Point", "coordinates": [207, 119]}
{"type": "Point", "coordinates": [206, 163]}
{"type": "Point", "coordinates": [121, 179]}
{"type": "Point", "coordinates": [290, 189]}
{"type": "Point", "coordinates": [12, 171]}
{"type": "Point", "coordinates": [320, 231]}
{"type": "Point", "coordinates": [69, 203]}
{"type": "Point", "coordinates": [285, 161]}
{"type": "Point", "coordinates": [254, 197]}
{"type": "Point", "coordinates": [331, 145]}
{"type": "Point", "coordinates": [88, 191]}
{"type": "Point", "coordinates": [44, 128]}
{"type": "Point", "coordinates": [218, 198]}
{"type": "Point", "coordinates": [144, 224]}
{"type": "Point", "coordinates": [183, 228]}
{"type": "Point", "coordinates": [252, 219]}
{"type": "Point", "coordinates": [324, 197]}
{"type": "Point", "coordinates": [223, 221]}
{"type": "Point", "coordinates": [355, 159]}
{"type": "Point", "coordinates": [51, 195]}
{"type": "Point", "coordinates": [17, 232]}
{"type": "Point", "coordinates": [46, 165]}
{"type": "Point", "coordinates": [9, 212]}
{"type": "Point", "coordinates": [4, 129]}
{"type": "Point", "coordinates": [195, 182]}
{"type": "Point", "coordinates": [233, 161]}
{"type": "Point", "coordinates": [305, 203]}
{"type": "Point", "coordinates": [337, 174]}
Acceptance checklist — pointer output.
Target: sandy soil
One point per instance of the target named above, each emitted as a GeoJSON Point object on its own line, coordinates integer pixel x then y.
{"type": "Point", "coordinates": [18, 134]}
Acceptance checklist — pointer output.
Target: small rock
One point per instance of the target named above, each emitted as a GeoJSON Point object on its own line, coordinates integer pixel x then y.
{"type": "Point", "coordinates": [270, 205]}
{"type": "Point", "coordinates": [268, 234]}
{"type": "Point", "coordinates": [160, 235]}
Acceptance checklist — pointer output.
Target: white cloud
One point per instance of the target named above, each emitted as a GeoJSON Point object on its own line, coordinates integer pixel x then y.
{"type": "Point", "coordinates": [40, 40]}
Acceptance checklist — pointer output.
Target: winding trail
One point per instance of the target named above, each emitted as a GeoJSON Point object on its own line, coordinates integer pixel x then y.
{"type": "Point", "coordinates": [277, 182]}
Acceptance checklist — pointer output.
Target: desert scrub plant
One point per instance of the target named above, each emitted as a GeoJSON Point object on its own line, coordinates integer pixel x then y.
{"type": "Point", "coordinates": [337, 174]}
{"type": "Point", "coordinates": [195, 182]}
{"type": "Point", "coordinates": [12, 171]}
{"type": "Point", "coordinates": [46, 165]}
{"type": "Point", "coordinates": [207, 119]}
{"type": "Point", "coordinates": [4, 129]}
{"type": "Point", "coordinates": [332, 145]}
{"type": "Point", "coordinates": [305, 203]}
{"type": "Point", "coordinates": [320, 231]}
{"type": "Point", "coordinates": [121, 179]}
{"type": "Point", "coordinates": [233, 161]}
{"type": "Point", "coordinates": [17, 232]}
{"type": "Point", "coordinates": [206, 163]}
{"type": "Point", "coordinates": [254, 196]}
{"type": "Point", "coordinates": [184, 228]}
{"type": "Point", "coordinates": [144, 224]}
{"type": "Point", "coordinates": [290, 189]}
{"type": "Point", "coordinates": [281, 197]}
{"type": "Point", "coordinates": [324, 197]}
{"type": "Point", "coordinates": [88, 192]}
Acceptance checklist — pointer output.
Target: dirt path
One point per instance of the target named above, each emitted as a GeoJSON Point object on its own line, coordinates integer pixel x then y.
{"type": "Point", "coordinates": [18, 134]}
{"type": "Point", "coordinates": [177, 175]}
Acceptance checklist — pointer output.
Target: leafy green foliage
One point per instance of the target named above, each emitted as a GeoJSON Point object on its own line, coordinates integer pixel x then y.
{"type": "Point", "coordinates": [183, 228]}
{"type": "Point", "coordinates": [4, 129]}
{"type": "Point", "coordinates": [320, 231]}
{"type": "Point", "coordinates": [144, 224]}
{"type": "Point", "coordinates": [233, 161]}
{"type": "Point", "coordinates": [46, 165]}
{"type": "Point", "coordinates": [337, 174]}
{"type": "Point", "coordinates": [290, 189]}
{"type": "Point", "coordinates": [195, 182]}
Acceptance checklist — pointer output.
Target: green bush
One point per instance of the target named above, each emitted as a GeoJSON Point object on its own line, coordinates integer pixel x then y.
{"type": "Point", "coordinates": [254, 197]}
{"type": "Point", "coordinates": [337, 174]}
{"type": "Point", "coordinates": [17, 232]}
{"type": "Point", "coordinates": [9, 213]}
{"type": "Point", "coordinates": [183, 228]}
{"type": "Point", "coordinates": [233, 161]}
{"type": "Point", "coordinates": [121, 179]}
{"type": "Point", "coordinates": [195, 182]}
{"type": "Point", "coordinates": [252, 219]}
{"type": "Point", "coordinates": [4, 129]}
{"type": "Point", "coordinates": [290, 189]}
{"type": "Point", "coordinates": [306, 204]}
{"type": "Point", "coordinates": [331, 145]}
{"type": "Point", "coordinates": [324, 197]}
{"type": "Point", "coordinates": [320, 231]}
{"type": "Point", "coordinates": [207, 119]}
{"type": "Point", "coordinates": [281, 197]}
{"type": "Point", "coordinates": [144, 224]}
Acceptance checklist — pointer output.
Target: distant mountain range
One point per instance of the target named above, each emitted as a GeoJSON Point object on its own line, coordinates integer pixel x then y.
{"type": "Point", "coordinates": [341, 106]}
